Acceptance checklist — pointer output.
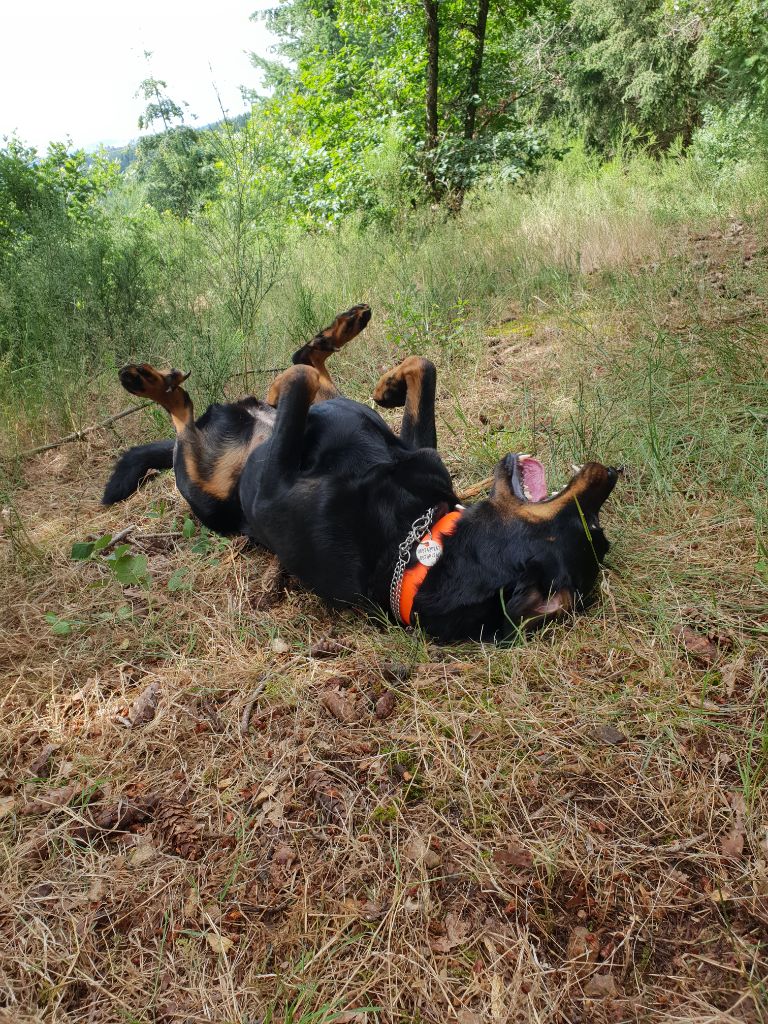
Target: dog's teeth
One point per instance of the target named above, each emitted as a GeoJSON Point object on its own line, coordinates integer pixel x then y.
{"type": "Point", "coordinates": [527, 493]}
{"type": "Point", "coordinates": [575, 468]}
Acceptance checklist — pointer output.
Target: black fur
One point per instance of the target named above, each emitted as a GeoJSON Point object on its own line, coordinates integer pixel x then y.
{"type": "Point", "coordinates": [335, 503]}
{"type": "Point", "coordinates": [132, 467]}
{"type": "Point", "coordinates": [221, 427]}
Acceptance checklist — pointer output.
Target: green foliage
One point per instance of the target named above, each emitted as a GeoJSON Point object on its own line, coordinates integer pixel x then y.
{"type": "Point", "coordinates": [732, 52]}
{"type": "Point", "coordinates": [129, 570]}
{"type": "Point", "coordinates": [62, 186]}
{"type": "Point", "coordinates": [177, 169]}
{"type": "Point", "coordinates": [355, 86]}
{"type": "Point", "coordinates": [609, 64]}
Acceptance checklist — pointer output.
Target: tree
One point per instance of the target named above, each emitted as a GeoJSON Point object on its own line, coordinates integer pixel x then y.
{"type": "Point", "coordinates": [355, 70]}
{"type": "Point", "coordinates": [176, 166]}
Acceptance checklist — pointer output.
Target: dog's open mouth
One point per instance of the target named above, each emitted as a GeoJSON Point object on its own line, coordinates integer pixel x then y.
{"type": "Point", "coordinates": [528, 477]}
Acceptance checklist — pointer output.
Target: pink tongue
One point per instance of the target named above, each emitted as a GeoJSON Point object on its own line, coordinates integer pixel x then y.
{"type": "Point", "coordinates": [534, 477]}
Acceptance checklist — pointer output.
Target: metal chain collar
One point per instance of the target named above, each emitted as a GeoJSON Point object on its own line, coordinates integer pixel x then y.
{"type": "Point", "coordinates": [419, 527]}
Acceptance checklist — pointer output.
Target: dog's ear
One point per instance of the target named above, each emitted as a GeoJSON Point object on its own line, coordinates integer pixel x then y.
{"type": "Point", "coordinates": [525, 605]}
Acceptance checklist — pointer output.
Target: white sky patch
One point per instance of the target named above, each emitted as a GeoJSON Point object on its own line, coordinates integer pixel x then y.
{"type": "Point", "coordinates": [70, 70]}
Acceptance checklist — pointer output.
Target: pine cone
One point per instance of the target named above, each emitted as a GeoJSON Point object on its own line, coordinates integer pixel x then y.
{"type": "Point", "coordinates": [177, 830]}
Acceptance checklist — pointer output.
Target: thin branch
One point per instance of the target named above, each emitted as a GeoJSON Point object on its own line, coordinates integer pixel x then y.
{"type": "Point", "coordinates": [120, 535]}
{"type": "Point", "coordinates": [476, 488]}
{"type": "Point", "coordinates": [78, 435]}
{"type": "Point", "coordinates": [245, 719]}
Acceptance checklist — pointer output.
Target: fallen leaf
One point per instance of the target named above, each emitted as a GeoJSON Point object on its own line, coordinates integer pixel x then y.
{"type": "Point", "coordinates": [395, 671]}
{"type": "Point", "coordinates": [729, 674]}
{"type": "Point", "coordinates": [468, 1017]}
{"type": "Point", "coordinates": [582, 946]}
{"type": "Point", "coordinates": [7, 804]}
{"type": "Point", "coordinates": [191, 905]}
{"type": "Point", "coordinates": [339, 706]}
{"type": "Point", "coordinates": [371, 911]}
{"type": "Point", "coordinates": [601, 986]}
{"type": "Point", "coordinates": [513, 856]}
{"type": "Point", "coordinates": [41, 765]}
{"type": "Point", "coordinates": [385, 705]}
{"type": "Point", "coordinates": [218, 943]}
{"type": "Point", "coordinates": [284, 855]}
{"type": "Point", "coordinates": [53, 798]}
{"type": "Point", "coordinates": [262, 795]}
{"type": "Point", "coordinates": [608, 734]}
{"type": "Point", "coordinates": [96, 890]}
{"type": "Point", "coordinates": [699, 647]}
{"type": "Point", "coordinates": [498, 1010]}
{"type": "Point", "coordinates": [721, 895]}
{"type": "Point", "coordinates": [417, 851]}
{"type": "Point", "coordinates": [326, 796]}
{"type": "Point", "coordinates": [118, 817]}
{"type": "Point", "coordinates": [143, 709]}
{"type": "Point", "coordinates": [272, 812]}
{"type": "Point", "coordinates": [279, 646]}
{"type": "Point", "coordinates": [142, 854]}
{"type": "Point", "coordinates": [732, 845]}
{"type": "Point", "coordinates": [456, 932]}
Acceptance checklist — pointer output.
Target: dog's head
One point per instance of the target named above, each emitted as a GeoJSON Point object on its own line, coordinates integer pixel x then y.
{"type": "Point", "coordinates": [523, 555]}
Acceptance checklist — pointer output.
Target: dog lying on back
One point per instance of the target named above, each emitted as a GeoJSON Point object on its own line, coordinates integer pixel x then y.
{"type": "Point", "coordinates": [364, 516]}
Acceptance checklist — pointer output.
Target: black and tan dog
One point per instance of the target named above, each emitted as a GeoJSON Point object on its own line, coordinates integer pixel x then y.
{"type": "Point", "coordinates": [364, 516]}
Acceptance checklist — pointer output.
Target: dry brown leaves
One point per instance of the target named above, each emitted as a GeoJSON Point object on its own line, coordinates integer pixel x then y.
{"type": "Point", "coordinates": [143, 709]}
{"type": "Point", "coordinates": [327, 796]}
{"type": "Point", "coordinates": [385, 705]}
{"type": "Point", "coordinates": [702, 639]}
{"type": "Point", "coordinates": [451, 932]}
{"type": "Point", "coordinates": [53, 798]}
{"type": "Point", "coordinates": [732, 845]}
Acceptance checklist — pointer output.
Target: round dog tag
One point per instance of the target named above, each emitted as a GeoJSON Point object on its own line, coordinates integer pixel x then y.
{"type": "Point", "coordinates": [429, 552]}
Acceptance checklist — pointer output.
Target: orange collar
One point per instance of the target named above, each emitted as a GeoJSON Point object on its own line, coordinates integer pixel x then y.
{"type": "Point", "coordinates": [431, 548]}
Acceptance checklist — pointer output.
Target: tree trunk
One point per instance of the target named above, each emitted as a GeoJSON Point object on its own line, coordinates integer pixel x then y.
{"type": "Point", "coordinates": [433, 45]}
{"type": "Point", "coordinates": [475, 68]}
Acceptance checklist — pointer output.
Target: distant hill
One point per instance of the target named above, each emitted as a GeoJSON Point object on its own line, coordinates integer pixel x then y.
{"type": "Point", "coordinates": [125, 155]}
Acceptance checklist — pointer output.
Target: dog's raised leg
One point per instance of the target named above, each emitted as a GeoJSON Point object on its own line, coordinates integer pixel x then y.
{"type": "Point", "coordinates": [411, 384]}
{"type": "Point", "coordinates": [164, 387]}
{"type": "Point", "coordinates": [344, 328]}
{"type": "Point", "coordinates": [293, 392]}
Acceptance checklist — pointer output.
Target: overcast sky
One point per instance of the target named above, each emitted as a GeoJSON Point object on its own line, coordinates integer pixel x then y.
{"type": "Point", "coordinates": [70, 68]}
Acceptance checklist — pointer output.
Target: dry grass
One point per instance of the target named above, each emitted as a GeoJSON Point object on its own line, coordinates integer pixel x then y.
{"type": "Point", "coordinates": [572, 829]}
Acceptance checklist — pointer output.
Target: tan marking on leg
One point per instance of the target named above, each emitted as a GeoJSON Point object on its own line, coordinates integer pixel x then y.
{"type": "Point", "coordinates": [326, 388]}
{"type": "Point", "coordinates": [161, 387]}
{"type": "Point", "coordinates": [227, 469]}
{"type": "Point", "coordinates": [294, 375]}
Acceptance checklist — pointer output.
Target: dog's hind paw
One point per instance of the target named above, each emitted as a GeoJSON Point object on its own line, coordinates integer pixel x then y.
{"type": "Point", "coordinates": [390, 392]}
{"type": "Point", "coordinates": [144, 380]}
